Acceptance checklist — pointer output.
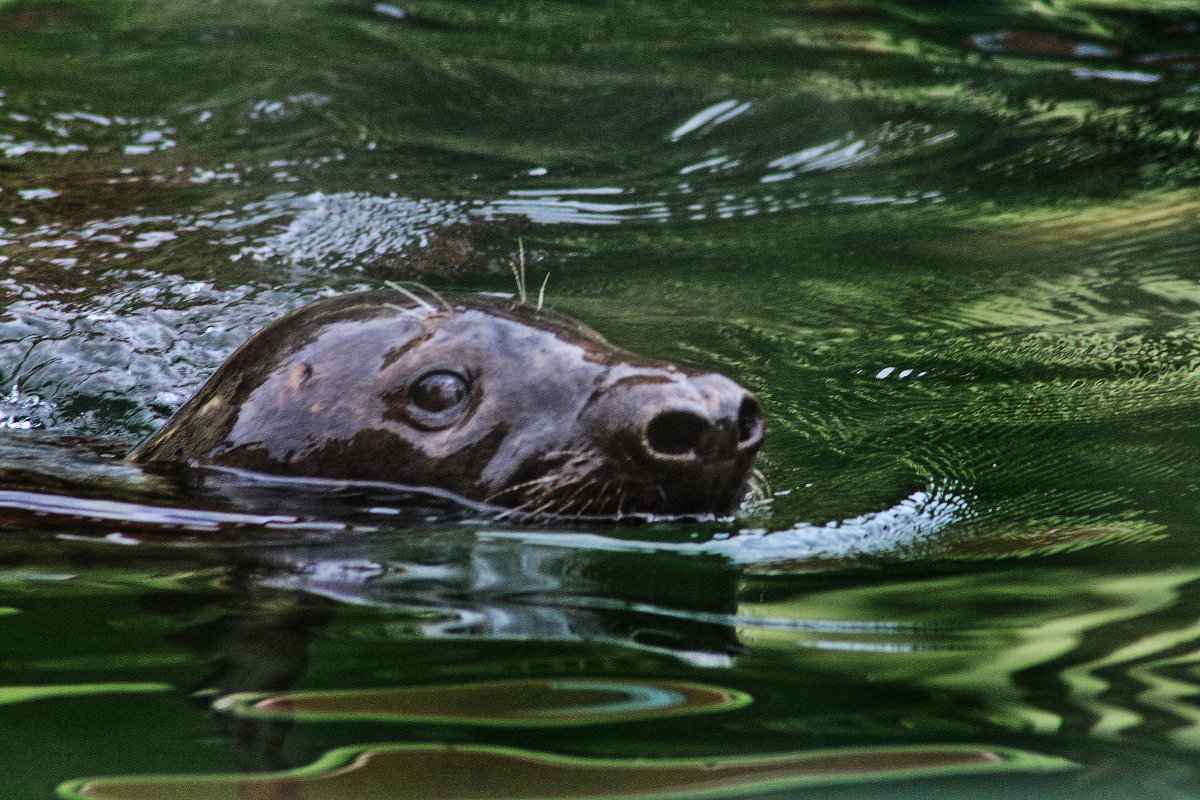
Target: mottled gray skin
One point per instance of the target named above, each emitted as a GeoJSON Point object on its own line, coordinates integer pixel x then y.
{"type": "Point", "coordinates": [544, 415]}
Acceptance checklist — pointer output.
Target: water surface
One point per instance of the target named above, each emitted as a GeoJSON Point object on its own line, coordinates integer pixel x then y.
{"type": "Point", "coordinates": [953, 248]}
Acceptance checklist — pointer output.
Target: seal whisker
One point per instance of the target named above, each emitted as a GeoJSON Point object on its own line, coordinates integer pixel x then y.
{"type": "Point", "coordinates": [516, 487]}
{"type": "Point", "coordinates": [622, 496]}
{"type": "Point", "coordinates": [567, 492]}
{"type": "Point", "coordinates": [410, 295]}
{"type": "Point", "coordinates": [563, 509]}
{"type": "Point", "coordinates": [598, 497]}
{"type": "Point", "coordinates": [563, 477]}
{"type": "Point", "coordinates": [757, 486]}
{"type": "Point", "coordinates": [561, 499]}
{"type": "Point", "coordinates": [581, 486]}
{"type": "Point", "coordinates": [550, 486]}
{"type": "Point", "coordinates": [544, 507]}
{"type": "Point", "coordinates": [569, 453]}
{"type": "Point", "coordinates": [399, 286]}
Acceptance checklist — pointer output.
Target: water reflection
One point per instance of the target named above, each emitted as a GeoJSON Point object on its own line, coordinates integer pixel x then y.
{"type": "Point", "coordinates": [827, 648]}
{"type": "Point", "coordinates": [461, 772]}
{"type": "Point", "coordinates": [29, 694]}
{"type": "Point", "coordinates": [710, 116]}
{"type": "Point", "coordinates": [999, 641]}
{"type": "Point", "coordinates": [481, 588]}
{"type": "Point", "coordinates": [1059, 651]}
{"type": "Point", "coordinates": [515, 702]}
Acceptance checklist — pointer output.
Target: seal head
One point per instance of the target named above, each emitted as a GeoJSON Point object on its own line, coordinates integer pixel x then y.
{"type": "Point", "coordinates": [491, 400]}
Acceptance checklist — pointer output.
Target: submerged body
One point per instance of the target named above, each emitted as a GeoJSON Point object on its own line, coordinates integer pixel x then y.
{"type": "Point", "coordinates": [480, 396]}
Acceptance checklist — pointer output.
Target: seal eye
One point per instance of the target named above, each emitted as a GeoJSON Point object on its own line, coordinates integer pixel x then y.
{"type": "Point", "coordinates": [438, 392]}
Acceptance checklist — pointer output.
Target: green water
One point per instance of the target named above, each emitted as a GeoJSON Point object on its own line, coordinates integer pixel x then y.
{"type": "Point", "coordinates": [952, 246]}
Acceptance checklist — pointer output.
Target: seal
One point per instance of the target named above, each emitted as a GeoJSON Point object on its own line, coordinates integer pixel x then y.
{"type": "Point", "coordinates": [489, 399]}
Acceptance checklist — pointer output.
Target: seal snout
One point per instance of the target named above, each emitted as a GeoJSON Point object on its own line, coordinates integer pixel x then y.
{"type": "Point", "coordinates": [696, 434]}
{"type": "Point", "coordinates": [684, 441]}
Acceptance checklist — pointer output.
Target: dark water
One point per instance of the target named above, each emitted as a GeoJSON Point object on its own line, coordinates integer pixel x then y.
{"type": "Point", "coordinates": [953, 247]}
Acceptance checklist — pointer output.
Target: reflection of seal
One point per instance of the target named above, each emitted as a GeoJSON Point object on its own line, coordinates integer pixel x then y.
{"type": "Point", "coordinates": [480, 396]}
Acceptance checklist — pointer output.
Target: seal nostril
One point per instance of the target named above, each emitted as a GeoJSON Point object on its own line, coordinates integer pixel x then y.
{"type": "Point", "coordinates": [749, 419]}
{"type": "Point", "coordinates": [676, 433]}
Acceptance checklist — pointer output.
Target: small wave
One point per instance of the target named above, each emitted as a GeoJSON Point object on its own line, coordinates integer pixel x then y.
{"type": "Point", "coordinates": [912, 521]}
{"type": "Point", "coordinates": [346, 229]}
